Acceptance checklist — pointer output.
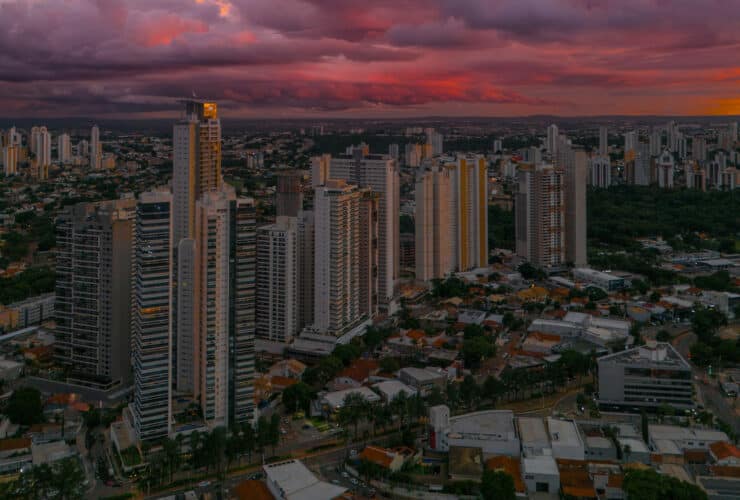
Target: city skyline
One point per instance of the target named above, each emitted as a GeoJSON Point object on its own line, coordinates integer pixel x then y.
{"type": "Point", "coordinates": [311, 58]}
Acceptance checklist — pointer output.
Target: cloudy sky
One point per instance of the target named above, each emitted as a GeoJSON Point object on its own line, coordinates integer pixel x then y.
{"type": "Point", "coordinates": [370, 58]}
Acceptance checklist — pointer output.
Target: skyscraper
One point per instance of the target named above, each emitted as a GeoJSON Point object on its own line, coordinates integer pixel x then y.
{"type": "Point", "coordinates": [699, 149]}
{"type": "Point", "coordinates": [96, 150]}
{"type": "Point", "coordinates": [337, 307]}
{"type": "Point", "coordinates": [540, 215]}
{"type": "Point", "coordinates": [600, 172]}
{"type": "Point", "coordinates": [630, 141]}
{"type": "Point", "coordinates": [10, 160]}
{"type": "Point", "coordinates": [93, 292]}
{"type": "Point", "coordinates": [33, 139]}
{"type": "Point", "coordinates": [150, 317]}
{"type": "Point", "coordinates": [664, 166]}
{"type": "Point", "coordinates": [433, 223]}
{"type": "Point", "coordinates": [306, 262]}
{"type": "Point", "coordinates": [469, 204]}
{"type": "Point", "coordinates": [603, 142]}
{"type": "Point", "coordinates": [656, 142]}
{"type": "Point", "coordinates": [196, 170]}
{"type": "Point", "coordinates": [289, 194]}
{"type": "Point", "coordinates": [379, 173]}
{"type": "Point", "coordinates": [43, 152]}
{"type": "Point", "coordinates": [552, 139]}
{"type": "Point", "coordinates": [224, 307]}
{"type": "Point", "coordinates": [573, 161]}
{"type": "Point", "coordinates": [64, 148]}
{"type": "Point", "coordinates": [277, 280]}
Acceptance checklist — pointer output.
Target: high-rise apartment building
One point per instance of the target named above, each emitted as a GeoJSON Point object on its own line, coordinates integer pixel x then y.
{"type": "Point", "coordinates": [278, 251]}
{"type": "Point", "coordinates": [540, 215]}
{"type": "Point", "coordinates": [573, 161]}
{"type": "Point", "coordinates": [552, 139]}
{"type": "Point", "coordinates": [289, 194]}
{"type": "Point", "coordinates": [10, 160]}
{"type": "Point", "coordinates": [603, 141]}
{"type": "Point", "coordinates": [469, 204]}
{"type": "Point", "coordinates": [699, 149]}
{"type": "Point", "coordinates": [433, 223]}
{"type": "Point", "coordinates": [435, 140]}
{"type": "Point", "coordinates": [451, 217]}
{"type": "Point", "coordinates": [600, 171]}
{"type": "Point", "coordinates": [664, 166]}
{"type": "Point", "coordinates": [64, 148]}
{"type": "Point", "coordinates": [656, 142]}
{"type": "Point", "coordinates": [337, 266]}
{"type": "Point", "coordinates": [413, 154]}
{"type": "Point", "coordinates": [43, 153]}
{"type": "Point", "coordinates": [224, 308]}
{"type": "Point", "coordinates": [379, 173]}
{"type": "Point", "coordinates": [196, 170]}
{"type": "Point", "coordinates": [151, 316]}
{"type": "Point", "coordinates": [96, 150]}
{"type": "Point", "coordinates": [93, 292]}
{"type": "Point", "coordinates": [33, 139]}
{"type": "Point", "coordinates": [630, 141]}
{"type": "Point", "coordinates": [306, 258]}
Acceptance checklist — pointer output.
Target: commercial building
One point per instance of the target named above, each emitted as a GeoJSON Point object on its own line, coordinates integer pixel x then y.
{"type": "Point", "coordinates": [492, 431]}
{"type": "Point", "coordinates": [540, 215]}
{"type": "Point", "coordinates": [423, 380]}
{"type": "Point", "coordinates": [646, 376]}
{"type": "Point", "coordinates": [277, 280]}
{"type": "Point", "coordinates": [685, 438]}
{"type": "Point", "coordinates": [606, 281]}
{"type": "Point", "coordinates": [151, 306]}
{"type": "Point", "coordinates": [93, 292]}
{"type": "Point", "coordinates": [541, 474]}
{"type": "Point", "coordinates": [565, 439]}
{"type": "Point", "coordinates": [291, 480]}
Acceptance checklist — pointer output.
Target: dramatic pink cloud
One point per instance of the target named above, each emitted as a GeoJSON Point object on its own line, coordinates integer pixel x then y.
{"type": "Point", "coordinates": [370, 58]}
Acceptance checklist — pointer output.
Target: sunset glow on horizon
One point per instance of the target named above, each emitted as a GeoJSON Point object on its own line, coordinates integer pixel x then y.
{"type": "Point", "coordinates": [347, 58]}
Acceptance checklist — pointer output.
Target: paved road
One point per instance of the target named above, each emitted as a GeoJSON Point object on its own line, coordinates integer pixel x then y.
{"type": "Point", "coordinates": [708, 393]}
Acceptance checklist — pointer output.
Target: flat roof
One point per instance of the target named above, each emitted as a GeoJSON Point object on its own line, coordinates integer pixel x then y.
{"type": "Point", "coordinates": [497, 423]}
{"type": "Point", "coordinates": [392, 388]}
{"type": "Point", "coordinates": [336, 399]}
{"type": "Point", "coordinates": [542, 464]}
{"type": "Point", "coordinates": [532, 430]}
{"type": "Point", "coordinates": [675, 432]}
{"type": "Point", "coordinates": [661, 354]}
{"type": "Point", "coordinates": [563, 432]}
{"type": "Point", "coordinates": [636, 445]}
{"type": "Point", "coordinates": [299, 483]}
{"type": "Point", "coordinates": [421, 374]}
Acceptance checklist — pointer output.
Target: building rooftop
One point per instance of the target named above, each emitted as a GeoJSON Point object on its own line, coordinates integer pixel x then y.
{"type": "Point", "coordinates": [389, 389]}
{"type": "Point", "coordinates": [532, 431]}
{"type": "Point", "coordinates": [336, 399]}
{"type": "Point", "coordinates": [296, 482]}
{"type": "Point", "coordinates": [563, 432]}
{"type": "Point", "coordinates": [497, 424]}
{"type": "Point", "coordinates": [421, 374]}
{"type": "Point", "coordinates": [662, 354]}
{"type": "Point", "coordinates": [636, 445]}
{"type": "Point", "coordinates": [465, 461]}
{"type": "Point", "coordinates": [677, 433]}
{"type": "Point", "coordinates": [542, 464]}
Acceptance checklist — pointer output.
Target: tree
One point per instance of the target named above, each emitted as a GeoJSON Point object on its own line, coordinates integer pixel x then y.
{"type": "Point", "coordinates": [389, 365]}
{"type": "Point", "coordinates": [497, 485]}
{"type": "Point", "coordinates": [24, 407]}
{"type": "Point", "coordinates": [529, 272]}
{"type": "Point", "coordinates": [354, 409]}
{"type": "Point", "coordinates": [476, 350]}
{"type": "Point", "coordinates": [647, 484]}
{"type": "Point", "coordinates": [472, 330]}
{"type": "Point", "coordinates": [298, 397]}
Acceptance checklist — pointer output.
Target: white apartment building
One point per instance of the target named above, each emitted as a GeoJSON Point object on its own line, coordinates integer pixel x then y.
{"type": "Point", "coordinates": [600, 172]}
{"type": "Point", "coordinates": [64, 149]}
{"type": "Point", "coordinates": [277, 280]}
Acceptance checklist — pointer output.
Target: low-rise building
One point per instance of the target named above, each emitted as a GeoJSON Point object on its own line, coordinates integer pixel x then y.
{"type": "Point", "coordinates": [565, 440]}
{"type": "Point", "coordinates": [647, 376]}
{"type": "Point", "coordinates": [493, 431]}
{"type": "Point", "coordinates": [606, 281]}
{"type": "Point", "coordinates": [390, 389]}
{"type": "Point", "coordinates": [541, 474]}
{"type": "Point", "coordinates": [333, 401]}
{"type": "Point", "coordinates": [291, 480]}
{"type": "Point", "coordinates": [685, 438]}
{"type": "Point", "coordinates": [422, 379]}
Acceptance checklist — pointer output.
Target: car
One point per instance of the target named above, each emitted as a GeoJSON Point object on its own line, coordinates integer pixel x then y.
{"type": "Point", "coordinates": [345, 475]}
{"type": "Point", "coordinates": [335, 481]}
{"type": "Point", "coordinates": [204, 484]}
{"type": "Point", "coordinates": [353, 481]}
